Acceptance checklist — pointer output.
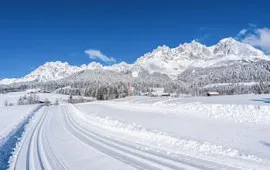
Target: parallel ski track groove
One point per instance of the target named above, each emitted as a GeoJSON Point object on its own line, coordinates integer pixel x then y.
{"type": "Point", "coordinates": [27, 134]}
{"type": "Point", "coordinates": [125, 147]}
{"type": "Point", "coordinates": [108, 151]}
{"type": "Point", "coordinates": [36, 142]}
{"type": "Point", "coordinates": [62, 165]}
{"type": "Point", "coordinates": [129, 149]}
{"type": "Point", "coordinates": [30, 145]}
{"type": "Point", "coordinates": [104, 141]}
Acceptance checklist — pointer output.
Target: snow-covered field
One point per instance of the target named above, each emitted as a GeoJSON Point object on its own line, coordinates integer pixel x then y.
{"type": "Point", "coordinates": [224, 132]}
{"type": "Point", "coordinates": [14, 97]}
{"type": "Point", "coordinates": [11, 117]}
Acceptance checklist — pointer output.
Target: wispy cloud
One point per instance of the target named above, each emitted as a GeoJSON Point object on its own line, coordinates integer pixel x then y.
{"type": "Point", "coordinates": [257, 37]}
{"type": "Point", "coordinates": [242, 32]}
{"type": "Point", "coordinates": [98, 55]}
{"type": "Point", "coordinates": [252, 25]}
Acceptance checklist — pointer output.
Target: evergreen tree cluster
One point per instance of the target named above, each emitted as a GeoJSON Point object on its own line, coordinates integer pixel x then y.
{"type": "Point", "coordinates": [102, 84]}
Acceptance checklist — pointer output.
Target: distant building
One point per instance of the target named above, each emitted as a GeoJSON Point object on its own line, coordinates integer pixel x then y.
{"type": "Point", "coordinates": [166, 94]}
{"type": "Point", "coordinates": [33, 91]}
{"type": "Point", "coordinates": [45, 91]}
{"type": "Point", "coordinates": [155, 92]}
{"type": "Point", "coordinates": [144, 93]}
{"type": "Point", "coordinates": [212, 94]}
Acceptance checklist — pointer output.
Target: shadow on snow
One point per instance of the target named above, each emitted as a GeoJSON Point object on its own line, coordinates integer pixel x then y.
{"type": "Point", "coordinates": [265, 100]}
{"type": "Point", "coordinates": [265, 143]}
{"type": "Point", "coordinates": [7, 149]}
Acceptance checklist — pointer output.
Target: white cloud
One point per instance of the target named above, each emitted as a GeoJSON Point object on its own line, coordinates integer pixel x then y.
{"type": "Point", "coordinates": [242, 32]}
{"type": "Point", "coordinates": [259, 38]}
{"type": "Point", "coordinates": [252, 25]}
{"type": "Point", "coordinates": [98, 55]}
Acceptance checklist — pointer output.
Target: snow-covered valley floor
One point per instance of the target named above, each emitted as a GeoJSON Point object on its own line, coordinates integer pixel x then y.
{"type": "Point", "coordinates": [225, 132]}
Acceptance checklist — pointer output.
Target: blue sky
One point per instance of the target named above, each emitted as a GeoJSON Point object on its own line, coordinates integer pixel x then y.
{"type": "Point", "coordinates": [33, 32]}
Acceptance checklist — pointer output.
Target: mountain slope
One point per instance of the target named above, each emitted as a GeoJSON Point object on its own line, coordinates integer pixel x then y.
{"type": "Point", "coordinates": [47, 72]}
{"type": "Point", "coordinates": [173, 61]}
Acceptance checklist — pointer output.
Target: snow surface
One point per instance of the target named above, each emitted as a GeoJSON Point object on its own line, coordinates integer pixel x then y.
{"type": "Point", "coordinates": [9, 142]}
{"type": "Point", "coordinates": [10, 118]}
{"type": "Point", "coordinates": [250, 108]}
{"type": "Point", "coordinates": [149, 133]}
{"type": "Point", "coordinates": [13, 97]}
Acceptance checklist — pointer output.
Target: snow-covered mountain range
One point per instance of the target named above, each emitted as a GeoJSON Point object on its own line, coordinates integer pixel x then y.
{"type": "Point", "coordinates": [170, 61]}
{"type": "Point", "coordinates": [173, 61]}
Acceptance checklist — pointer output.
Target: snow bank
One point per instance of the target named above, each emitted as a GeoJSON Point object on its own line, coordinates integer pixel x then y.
{"type": "Point", "coordinates": [11, 118]}
{"type": "Point", "coordinates": [235, 113]}
{"type": "Point", "coordinates": [258, 114]}
{"type": "Point", "coordinates": [24, 129]}
{"type": "Point", "coordinates": [9, 142]}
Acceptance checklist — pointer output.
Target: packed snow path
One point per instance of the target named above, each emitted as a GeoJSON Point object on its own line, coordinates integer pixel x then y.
{"type": "Point", "coordinates": [76, 146]}
{"type": "Point", "coordinates": [62, 137]}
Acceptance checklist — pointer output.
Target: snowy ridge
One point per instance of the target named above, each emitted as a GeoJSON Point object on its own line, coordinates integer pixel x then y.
{"type": "Point", "coordinates": [52, 71]}
{"type": "Point", "coordinates": [170, 61]}
{"type": "Point", "coordinates": [47, 72]}
{"type": "Point", "coordinates": [173, 61]}
{"type": "Point", "coordinates": [7, 81]}
{"type": "Point", "coordinates": [92, 66]}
